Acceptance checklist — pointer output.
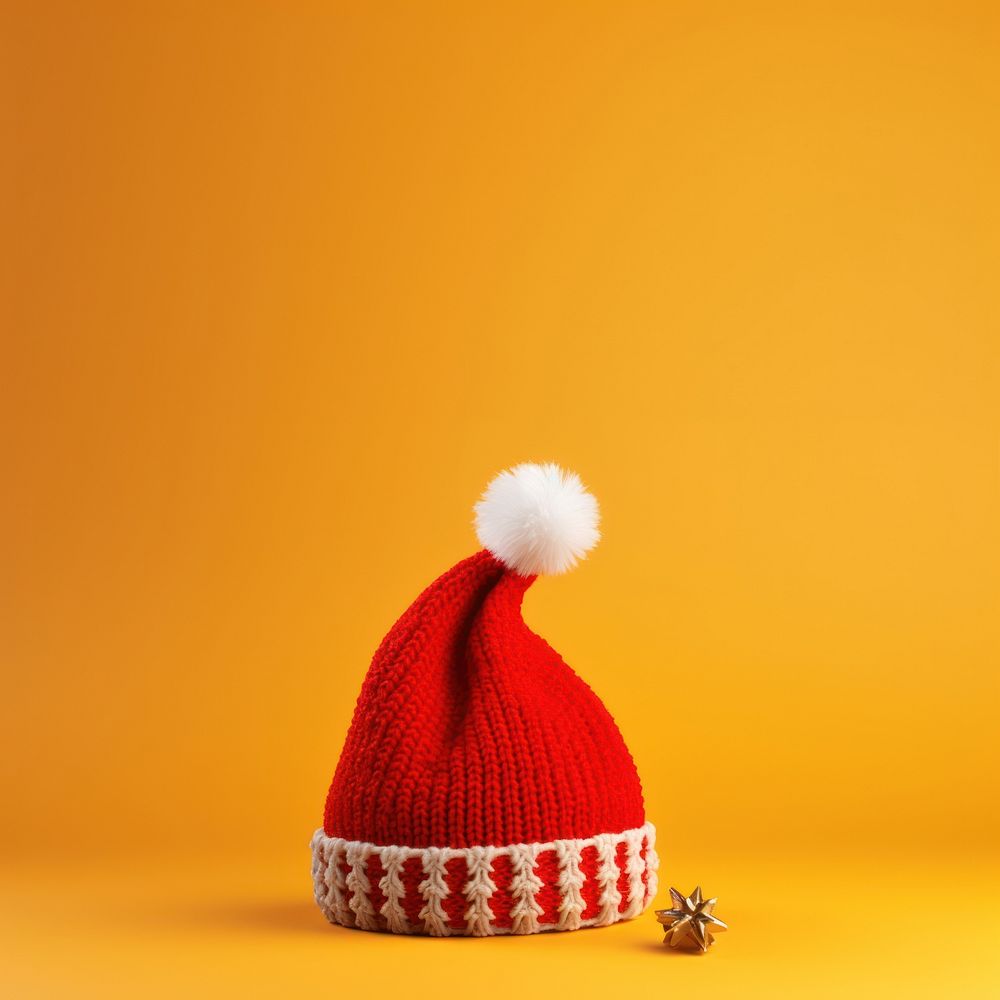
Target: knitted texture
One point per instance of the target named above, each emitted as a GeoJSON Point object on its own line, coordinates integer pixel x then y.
{"type": "Point", "coordinates": [483, 787]}
{"type": "Point", "coordinates": [471, 730]}
{"type": "Point", "coordinates": [484, 891]}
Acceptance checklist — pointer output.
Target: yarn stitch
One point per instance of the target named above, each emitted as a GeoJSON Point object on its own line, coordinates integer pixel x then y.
{"type": "Point", "coordinates": [478, 891]}
{"type": "Point", "coordinates": [391, 884]}
{"type": "Point", "coordinates": [571, 880]}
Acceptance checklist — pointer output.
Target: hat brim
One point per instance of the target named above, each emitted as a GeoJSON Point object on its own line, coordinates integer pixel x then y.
{"type": "Point", "coordinates": [486, 890]}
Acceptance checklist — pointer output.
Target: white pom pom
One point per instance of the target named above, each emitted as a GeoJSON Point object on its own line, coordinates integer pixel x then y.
{"type": "Point", "coordinates": [537, 519]}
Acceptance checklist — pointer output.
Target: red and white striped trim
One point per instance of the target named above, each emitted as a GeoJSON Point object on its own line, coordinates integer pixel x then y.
{"type": "Point", "coordinates": [481, 891]}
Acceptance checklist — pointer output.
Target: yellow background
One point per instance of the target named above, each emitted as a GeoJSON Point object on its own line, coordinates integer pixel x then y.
{"type": "Point", "coordinates": [284, 285]}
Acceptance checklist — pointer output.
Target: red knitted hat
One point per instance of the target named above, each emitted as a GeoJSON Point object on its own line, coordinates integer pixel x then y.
{"type": "Point", "coordinates": [484, 788]}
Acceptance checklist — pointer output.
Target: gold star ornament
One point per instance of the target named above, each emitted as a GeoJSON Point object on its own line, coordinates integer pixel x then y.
{"type": "Point", "coordinates": [690, 923]}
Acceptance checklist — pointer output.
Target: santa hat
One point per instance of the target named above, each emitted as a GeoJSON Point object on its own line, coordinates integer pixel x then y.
{"type": "Point", "coordinates": [483, 787]}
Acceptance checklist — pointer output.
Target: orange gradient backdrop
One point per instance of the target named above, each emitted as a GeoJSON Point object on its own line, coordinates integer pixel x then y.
{"type": "Point", "coordinates": [284, 285]}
